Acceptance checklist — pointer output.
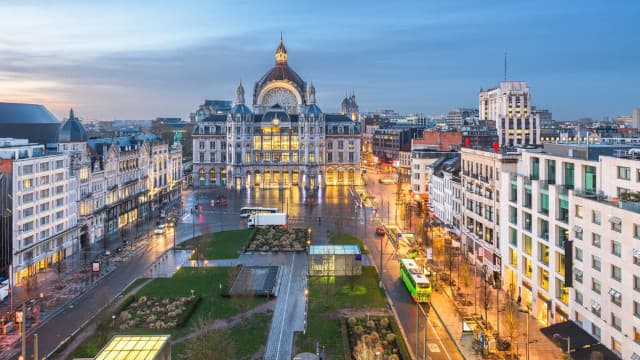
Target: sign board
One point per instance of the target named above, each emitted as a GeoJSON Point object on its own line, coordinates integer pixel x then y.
{"type": "Point", "coordinates": [429, 254]}
{"type": "Point", "coordinates": [95, 267]}
{"type": "Point", "coordinates": [358, 257]}
{"type": "Point", "coordinates": [19, 316]}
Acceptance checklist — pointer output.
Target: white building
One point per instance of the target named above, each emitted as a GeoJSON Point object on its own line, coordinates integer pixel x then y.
{"type": "Point", "coordinates": [421, 160]}
{"type": "Point", "coordinates": [509, 105]}
{"type": "Point", "coordinates": [481, 179]}
{"type": "Point", "coordinates": [42, 207]}
{"type": "Point", "coordinates": [442, 176]}
{"type": "Point", "coordinates": [570, 225]}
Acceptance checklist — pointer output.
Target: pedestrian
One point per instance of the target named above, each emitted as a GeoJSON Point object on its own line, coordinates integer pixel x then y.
{"type": "Point", "coordinates": [519, 299]}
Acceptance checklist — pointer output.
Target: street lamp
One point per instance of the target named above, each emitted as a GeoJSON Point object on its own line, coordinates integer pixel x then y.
{"type": "Point", "coordinates": [568, 339]}
{"type": "Point", "coordinates": [308, 237]}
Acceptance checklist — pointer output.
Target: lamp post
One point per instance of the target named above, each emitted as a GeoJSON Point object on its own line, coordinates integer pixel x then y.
{"type": "Point", "coordinates": [308, 236]}
{"type": "Point", "coordinates": [425, 312]}
{"type": "Point", "coordinates": [568, 339]}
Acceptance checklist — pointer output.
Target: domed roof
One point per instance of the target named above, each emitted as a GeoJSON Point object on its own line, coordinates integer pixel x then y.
{"type": "Point", "coordinates": [28, 121]}
{"type": "Point", "coordinates": [280, 72]}
{"type": "Point", "coordinates": [240, 109]}
{"type": "Point", "coordinates": [71, 130]}
{"type": "Point", "coordinates": [276, 112]}
{"type": "Point", "coordinates": [312, 109]}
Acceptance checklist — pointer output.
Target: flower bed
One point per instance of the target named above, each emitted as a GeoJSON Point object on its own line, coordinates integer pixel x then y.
{"type": "Point", "coordinates": [370, 335]}
{"type": "Point", "coordinates": [156, 313]}
{"type": "Point", "coordinates": [278, 239]}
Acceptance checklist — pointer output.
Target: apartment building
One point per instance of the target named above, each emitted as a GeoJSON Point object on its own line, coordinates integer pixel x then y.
{"type": "Point", "coordinates": [442, 192]}
{"type": "Point", "coordinates": [42, 207]}
{"type": "Point", "coordinates": [481, 181]}
{"type": "Point", "coordinates": [573, 219]}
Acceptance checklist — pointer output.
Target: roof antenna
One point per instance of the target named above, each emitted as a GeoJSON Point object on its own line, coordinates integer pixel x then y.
{"type": "Point", "coordinates": [505, 66]}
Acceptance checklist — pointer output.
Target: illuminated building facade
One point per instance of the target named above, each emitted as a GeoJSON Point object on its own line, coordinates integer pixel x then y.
{"type": "Point", "coordinates": [284, 140]}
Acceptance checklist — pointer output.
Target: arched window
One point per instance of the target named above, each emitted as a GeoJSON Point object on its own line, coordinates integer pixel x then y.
{"type": "Point", "coordinates": [212, 175]}
{"type": "Point", "coordinates": [201, 174]}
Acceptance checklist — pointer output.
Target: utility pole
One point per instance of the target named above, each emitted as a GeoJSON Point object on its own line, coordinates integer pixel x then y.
{"type": "Point", "coordinates": [35, 346]}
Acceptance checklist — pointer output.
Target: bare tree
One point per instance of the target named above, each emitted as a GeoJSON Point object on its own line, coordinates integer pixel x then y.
{"type": "Point", "coordinates": [450, 260]}
{"type": "Point", "coordinates": [511, 316]}
{"type": "Point", "coordinates": [210, 345]}
{"type": "Point", "coordinates": [485, 296]}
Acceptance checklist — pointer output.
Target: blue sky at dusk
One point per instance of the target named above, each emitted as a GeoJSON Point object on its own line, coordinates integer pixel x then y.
{"type": "Point", "coordinates": [140, 60]}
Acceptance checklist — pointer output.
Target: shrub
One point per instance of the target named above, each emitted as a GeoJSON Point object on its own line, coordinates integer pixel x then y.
{"type": "Point", "coordinates": [391, 337]}
{"type": "Point", "coordinates": [384, 322]}
{"type": "Point", "coordinates": [358, 330]}
{"type": "Point", "coordinates": [352, 321]}
{"type": "Point", "coordinates": [371, 324]}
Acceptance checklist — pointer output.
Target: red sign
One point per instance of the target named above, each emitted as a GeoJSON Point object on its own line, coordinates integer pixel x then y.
{"type": "Point", "coordinates": [495, 146]}
{"type": "Point", "coordinates": [95, 267]}
{"type": "Point", "coordinates": [467, 142]}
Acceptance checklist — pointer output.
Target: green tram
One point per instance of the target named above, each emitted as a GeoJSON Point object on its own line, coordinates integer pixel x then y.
{"type": "Point", "coordinates": [418, 285]}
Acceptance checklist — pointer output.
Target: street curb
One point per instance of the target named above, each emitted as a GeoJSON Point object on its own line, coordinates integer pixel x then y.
{"type": "Point", "coordinates": [448, 332]}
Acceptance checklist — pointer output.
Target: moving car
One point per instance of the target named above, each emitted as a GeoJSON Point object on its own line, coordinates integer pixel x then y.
{"type": "Point", "coordinates": [380, 231]}
{"type": "Point", "coordinates": [160, 229]}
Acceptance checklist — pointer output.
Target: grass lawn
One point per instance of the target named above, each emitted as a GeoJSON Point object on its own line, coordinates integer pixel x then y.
{"type": "Point", "coordinates": [204, 281]}
{"type": "Point", "coordinates": [133, 285]}
{"type": "Point", "coordinates": [221, 245]}
{"type": "Point", "coordinates": [248, 337]}
{"type": "Point", "coordinates": [323, 325]}
{"type": "Point", "coordinates": [347, 239]}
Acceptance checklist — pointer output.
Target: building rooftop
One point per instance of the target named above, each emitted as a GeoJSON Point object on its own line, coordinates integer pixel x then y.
{"type": "Point", "coordinates": [334, 250]}
{"type": "Point", "coordinates": [131, 347]}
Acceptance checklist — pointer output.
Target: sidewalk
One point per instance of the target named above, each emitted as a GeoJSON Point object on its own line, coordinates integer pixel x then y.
{"type": "Point", "coordinates": [452, 313]}
{"type": "Point", "coordinates": [53, 289]}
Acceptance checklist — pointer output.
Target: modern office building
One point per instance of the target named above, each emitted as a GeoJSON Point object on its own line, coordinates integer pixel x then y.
{"type": "Point", "coordinates": [42, 206]}
{"type": "Point", "coordinates": [282, 141]}
{"type": "Point", "coordinates": [509, 105]}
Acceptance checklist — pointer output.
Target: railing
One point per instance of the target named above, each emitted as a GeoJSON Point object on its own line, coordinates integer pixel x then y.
{"type": "Point", "coordinates": [484, 179]}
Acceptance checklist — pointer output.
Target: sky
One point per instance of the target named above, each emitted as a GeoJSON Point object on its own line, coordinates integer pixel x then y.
{"type": "Point", "coordinates": [144, 59]}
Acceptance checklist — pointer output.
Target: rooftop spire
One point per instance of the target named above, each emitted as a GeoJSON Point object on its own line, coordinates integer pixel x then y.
{"type": "Point", "coordinates": [240, 94]}
{"type": "Point", "coordinates": [71, 114]}
{"type": "Point", "coordinates": [281, 52]}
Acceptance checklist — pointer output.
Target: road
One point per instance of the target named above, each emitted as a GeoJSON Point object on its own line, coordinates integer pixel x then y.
{"type": "Point", "coordinates": [439, 345]}
{"type": "Point", "coordinates": [334, 211]}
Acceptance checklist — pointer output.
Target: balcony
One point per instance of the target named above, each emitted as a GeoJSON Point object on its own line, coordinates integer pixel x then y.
{"type": "Point", "coordinates": [474, 176]}
{"type": "Point", "coordinates": [484, 179]}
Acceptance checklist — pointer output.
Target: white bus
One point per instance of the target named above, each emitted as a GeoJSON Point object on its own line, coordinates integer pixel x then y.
{"type": "Point", "coordinates": [251, 210]}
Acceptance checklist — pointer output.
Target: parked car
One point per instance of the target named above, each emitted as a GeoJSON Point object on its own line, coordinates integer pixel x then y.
{"type": "Point", "coordinates": [380, 231]}
{"type": "Point", "coordinates": [160, 229]}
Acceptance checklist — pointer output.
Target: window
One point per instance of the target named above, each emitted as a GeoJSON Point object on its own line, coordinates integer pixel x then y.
{"type": "Point", "coordinates": [616, 322]}
{"type": "Point", "coordinates": [636, 231]}
{"type": "Point", "coordinates": [636, 335]}
{"type": "Point", "coordinates": [340, 144]}
{"type": "Point", "coordinates": [579, 211]}
{"type": "Point", "coordinates": [595, 240]}
{"type": "Point", "coordinates": [636, 309]}
{"type": "Point", "coordinates": [596, 263]}
{"type": "Point", "coordinates": [595, 331]}
{"type": "Point", "coordinates": [616, 224]}
{"type": "Point", "coordinates": [616, 346]}
{"type": "Point", "coordinates": [27, 198]}
{"type": "Point", "coordinates": [28, 226]}
{"type": "Point", "coordinates": [636, 283]}
{"type": "Point", "coordinates": [615, 297]}
{"type": "Point", "coordinates": [578, 276]}
{"type": "Point", "coordinates": [596, 286]}
{"type": "Point", "coordinates": [579, 298]}
{"type": "Point", "coordinates": [543, 253]}
{"type": "Point", "coordinates": [27, 212]}
{"type": "Point", "coordinates": [616, 248]}
{"type": "Point", "coordinates": [595, 217]}
{"type": "Point", "coordinates": [616, 272]}
{"type": "Point", "coordinates": [624, 173]}
{"type": "Point", "coordinates": [543, 278]}
{"type": "Point", "coordinates": [201, 144]}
